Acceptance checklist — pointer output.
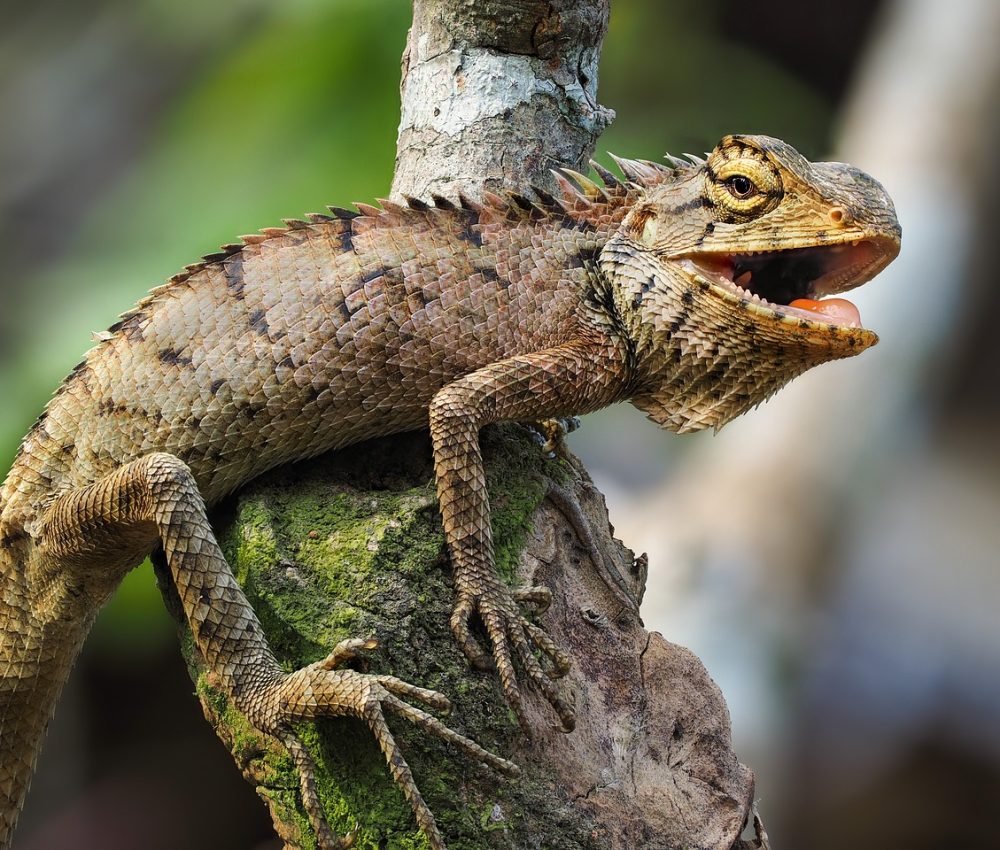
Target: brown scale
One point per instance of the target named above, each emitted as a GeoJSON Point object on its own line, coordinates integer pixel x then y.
{"type": "Point", "coordinates": [343, 327]}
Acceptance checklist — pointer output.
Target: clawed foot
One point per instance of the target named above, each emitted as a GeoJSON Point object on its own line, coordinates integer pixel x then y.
{"type": "Point", "coordinates": [552, 433]}
{"type": "Point", "coordinates": [511, 633]}
{"type": "Point", "coordinates": [321, 689]}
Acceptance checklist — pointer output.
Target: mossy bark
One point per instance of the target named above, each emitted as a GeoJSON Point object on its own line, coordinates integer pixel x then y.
{"type": "Point", "coordinates": [351, 545]}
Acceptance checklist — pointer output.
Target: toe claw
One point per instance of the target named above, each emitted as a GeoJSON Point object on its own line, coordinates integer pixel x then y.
{"type": "Point", "coordinates": [460, 628]}
{"type": "Point", "coordinates": [516, 639]}
{"type": "Point", "coordinates": [316, 690]}
{"type": "Point", "coordinates": [537, 595]}
{"type": "Point", "coordinates": [347, 651]}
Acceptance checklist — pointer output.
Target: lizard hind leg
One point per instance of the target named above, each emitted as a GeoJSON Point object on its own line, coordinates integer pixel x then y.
{"type": "Point", "coordinates": [156, 498]}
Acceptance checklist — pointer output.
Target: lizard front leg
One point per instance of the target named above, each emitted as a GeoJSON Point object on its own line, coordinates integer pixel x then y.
{"type": "Point", "coordinates": [157, 498]}
{"type": "Point", "coordinates": [568, 379]}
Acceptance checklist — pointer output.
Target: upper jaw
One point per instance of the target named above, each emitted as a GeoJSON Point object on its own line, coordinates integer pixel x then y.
{"type": "Point", "coordinates": [789, 283]}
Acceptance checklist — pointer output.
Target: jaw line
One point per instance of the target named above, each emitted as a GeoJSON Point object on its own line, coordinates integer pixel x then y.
{"type": "Point", "coordinates": [825, 269]}
{"type": "Point", "coordinates": [791, 318]}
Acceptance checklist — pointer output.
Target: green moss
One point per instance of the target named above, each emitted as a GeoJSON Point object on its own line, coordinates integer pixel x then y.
{"type": "Point", "coordinates": [515, 478]}
{"type": "Point", "coordinates": [351, 545]}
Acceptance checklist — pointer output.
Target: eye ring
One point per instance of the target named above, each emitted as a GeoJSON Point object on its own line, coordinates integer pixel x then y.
{"type": "Point", "coordinates": [740, 186]}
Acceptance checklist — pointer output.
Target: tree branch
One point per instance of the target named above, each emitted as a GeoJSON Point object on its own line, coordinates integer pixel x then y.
{"type": "Point", "coordinates": [493, 95]}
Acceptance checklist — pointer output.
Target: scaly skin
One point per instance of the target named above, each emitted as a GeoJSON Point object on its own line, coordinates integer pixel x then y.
{"type": "Point", "coordinates": [331, 331]}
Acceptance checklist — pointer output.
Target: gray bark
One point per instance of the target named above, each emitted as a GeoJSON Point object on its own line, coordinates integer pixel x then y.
{"type": "Point", "coordinates": [493, 95]}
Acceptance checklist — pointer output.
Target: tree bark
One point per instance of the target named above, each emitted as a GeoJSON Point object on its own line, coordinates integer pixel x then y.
{"type": "Point", "coordinates": [350, 545]}
{"type": "Point", "coordinates": [496, 93]}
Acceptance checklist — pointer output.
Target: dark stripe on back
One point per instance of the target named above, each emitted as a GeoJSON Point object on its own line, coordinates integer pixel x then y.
{"type": "Point", "coordinates": [131, 325]}
{"type": "Point", "coordinates": [258, 322]}
{"type": "Point", "coordinates": [346, 236]}
{"type": "Point", "coordinates": [584, 258]}
{"type": "Point", "coordinates": [234, 276]}
{"type": "Point", "coordinates": [470, 233]}
{"type": "Point", "coordinates": [173, 357]}
{"type": "Point", "coordinates": [382, 271]}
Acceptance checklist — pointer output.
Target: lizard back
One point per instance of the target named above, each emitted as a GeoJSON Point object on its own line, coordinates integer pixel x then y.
{"type": "Point", "coordinates": [310, 337]}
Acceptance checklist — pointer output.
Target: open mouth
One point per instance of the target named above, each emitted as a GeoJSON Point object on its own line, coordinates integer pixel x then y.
{"type": "Point", "coordinates": [795, 282]}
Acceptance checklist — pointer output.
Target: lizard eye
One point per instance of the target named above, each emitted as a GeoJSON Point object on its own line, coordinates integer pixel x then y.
{"type": "Point", "coordinates": [740, 186]}
{"type": "Point", "coordinates": [741, 181]}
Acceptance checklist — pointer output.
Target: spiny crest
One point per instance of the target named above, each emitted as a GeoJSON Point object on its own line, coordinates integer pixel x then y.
{"type": "Point", "coordinates": [640, 174]}
{"type": "Point", "coordinates": [368, 210]}
{"type": "Point", "coordinates": [266, 233]}
{"type": "Point", "coordinates": [514, 207]}
{"type": "Point", "coordinates": [575, 187]}
{"type": "Point", "coordinates": [584, 198]}
{"type": "Point", "coordinates": [581, 197]}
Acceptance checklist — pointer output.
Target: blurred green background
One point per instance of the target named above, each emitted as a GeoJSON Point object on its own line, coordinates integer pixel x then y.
{"type": "Point", "coordinates": [136, 136]}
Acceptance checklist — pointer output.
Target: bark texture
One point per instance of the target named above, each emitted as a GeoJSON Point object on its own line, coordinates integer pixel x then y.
{"type": "Point", "coordinates": [494, 94]}
{"type": "Point", "coordinates": [351, 545]}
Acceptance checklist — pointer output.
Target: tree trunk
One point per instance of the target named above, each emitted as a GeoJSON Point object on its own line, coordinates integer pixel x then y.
{"type": "Point", "coordinates": [497, 92]}
{"type": "Point", "coordinates": [350, 545]}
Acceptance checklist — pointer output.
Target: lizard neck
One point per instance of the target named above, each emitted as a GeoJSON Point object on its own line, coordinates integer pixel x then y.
{"type": "Point", "coordinates": [696, 364]}
{"type": "Point", "coordinates": [37, 653]}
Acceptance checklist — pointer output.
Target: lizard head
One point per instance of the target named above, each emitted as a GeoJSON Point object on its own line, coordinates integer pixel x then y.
{"type": "Point", "coordinates": [724, 274]}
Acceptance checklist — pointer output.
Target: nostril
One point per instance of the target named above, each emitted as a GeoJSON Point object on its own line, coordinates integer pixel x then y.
{"type": "Point", "coordinates": [838, 215]}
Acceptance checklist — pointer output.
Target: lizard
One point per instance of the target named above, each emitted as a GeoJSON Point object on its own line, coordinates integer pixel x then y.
{"type": "Point", "coordinates": [693, 289]}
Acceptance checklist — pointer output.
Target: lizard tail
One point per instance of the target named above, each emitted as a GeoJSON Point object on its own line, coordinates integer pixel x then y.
{"type": "Point", "coordinates": [35, 661]}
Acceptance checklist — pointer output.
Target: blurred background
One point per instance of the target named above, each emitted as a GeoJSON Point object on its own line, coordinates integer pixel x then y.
{"type": "Point", "coordinates": [832, 557]}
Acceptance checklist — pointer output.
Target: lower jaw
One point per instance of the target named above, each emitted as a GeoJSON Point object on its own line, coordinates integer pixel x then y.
{"type": "Point", "coordinates": [826, 311]}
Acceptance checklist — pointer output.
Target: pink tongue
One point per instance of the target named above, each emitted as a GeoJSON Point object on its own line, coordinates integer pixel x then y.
{"type": "Point", "coordinates": [840, 311]}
